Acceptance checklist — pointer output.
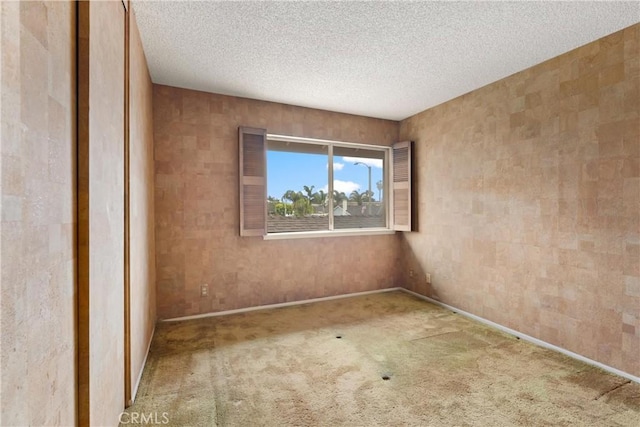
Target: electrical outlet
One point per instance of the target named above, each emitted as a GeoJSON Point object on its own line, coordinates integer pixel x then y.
{"type": "Point", "coordinates": [411, 273]}
{"type": "Point", "coordinates": [428, 278]}
{"type": "Point", "coordinates": [204, 290]}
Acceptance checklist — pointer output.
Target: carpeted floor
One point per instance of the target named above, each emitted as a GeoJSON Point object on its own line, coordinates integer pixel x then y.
{"type": "Point", "coordinates": [385, 359]}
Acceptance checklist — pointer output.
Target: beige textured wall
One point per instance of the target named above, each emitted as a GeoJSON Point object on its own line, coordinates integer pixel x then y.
{"type": "Point", "coordinates": [196, 193]}
{"type": "Point", "coordinates": [529, 201]}
{"type": "Point", "coordinates": [142, 239]}
{"type": "Point", "coordinates": [37, 152]}
{"type": "Point", "coordinates": [101, 212]}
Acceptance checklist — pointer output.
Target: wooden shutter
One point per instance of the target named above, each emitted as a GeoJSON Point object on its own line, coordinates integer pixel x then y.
{"type": "Point", "coordinates": [401, 186]}
{"type": "Point", "coordinates": [253, 181]}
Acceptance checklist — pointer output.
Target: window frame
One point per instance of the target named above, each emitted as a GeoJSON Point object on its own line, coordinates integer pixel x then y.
{"type": "Point", "coordinates": [331, 232]}
{"type": "Point", "coordinates": [396, 185]}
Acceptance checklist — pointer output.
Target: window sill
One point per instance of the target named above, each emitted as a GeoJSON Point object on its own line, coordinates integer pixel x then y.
{"type": "Point", "coordinates": [334, 233]}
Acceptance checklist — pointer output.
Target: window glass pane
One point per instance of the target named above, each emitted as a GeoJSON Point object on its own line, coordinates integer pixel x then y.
{"type": "Point", "coordinates": [297, 187]}
{"type": "Point", "coordinates": [359, 190]}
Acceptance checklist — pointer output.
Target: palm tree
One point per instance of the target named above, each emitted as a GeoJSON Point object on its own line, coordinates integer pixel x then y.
{"type": "Point", "coordinates": [300, 204]}
{"type": "Point", "coordinates": [309, 191]}
{"type": "Point", "coordinates": [380, 186]}
{"type": "Point", "coordinates": [357, 197]}
{"type": "Point", "coordinates": [320, 199]}
{"type": "Point", "coordinates": [291, 195]}
{"type": "Point", "coordinates": [338, 197]}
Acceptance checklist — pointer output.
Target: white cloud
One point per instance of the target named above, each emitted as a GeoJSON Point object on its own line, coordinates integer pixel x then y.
{"type": "Point", "coordinates": [376, 163]}
{"type": "Point", "coordinates": [345, 187]}
{"type": "Point", "coordinates": [337, 166]}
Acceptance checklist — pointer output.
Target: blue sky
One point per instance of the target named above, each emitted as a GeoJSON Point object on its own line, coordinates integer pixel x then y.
{"type": "Point", "coordinates": [291, 171]}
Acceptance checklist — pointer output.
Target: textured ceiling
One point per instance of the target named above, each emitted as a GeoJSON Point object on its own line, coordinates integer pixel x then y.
{"type": "Point", "coordinates": [379, 59]}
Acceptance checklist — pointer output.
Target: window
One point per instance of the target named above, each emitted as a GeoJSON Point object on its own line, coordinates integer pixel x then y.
{"type": "Point", "coordinates": [300, 187]}
{"type": "Point", "coordinates": [297, 187]}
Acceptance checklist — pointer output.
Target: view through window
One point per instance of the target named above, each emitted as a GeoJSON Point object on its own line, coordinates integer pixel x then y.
{"type": "Point", "coordinates": [323, 186]}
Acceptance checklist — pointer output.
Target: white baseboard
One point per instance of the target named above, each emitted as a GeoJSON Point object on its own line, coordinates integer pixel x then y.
{"type": "Point", "coordinates": [282, 304]}
{"type": "Point", "coordinates": [431, 300]}
{"type": "Point", "coordinates": [144, 363]}
{"type": "Point", "coordinates": [528, 338]}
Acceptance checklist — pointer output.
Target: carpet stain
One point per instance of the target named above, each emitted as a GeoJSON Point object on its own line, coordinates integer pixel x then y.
{"type": "Point", "coordinates": [324, 364]}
